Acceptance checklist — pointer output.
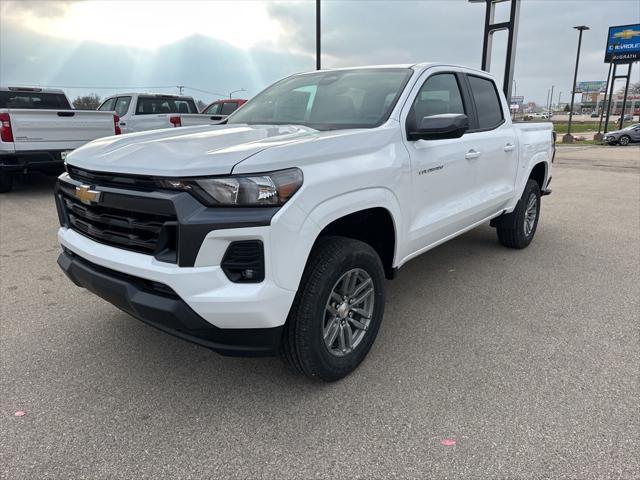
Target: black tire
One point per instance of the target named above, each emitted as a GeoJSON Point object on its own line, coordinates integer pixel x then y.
{"type": "Point", "coordinates": [624, 140]}
{"type": "Point", "coordinates": [6, 182]}
{"type": "Point", "coordinates": [511, 227]}
{"type": "Point", "coordinates": [303, 346]}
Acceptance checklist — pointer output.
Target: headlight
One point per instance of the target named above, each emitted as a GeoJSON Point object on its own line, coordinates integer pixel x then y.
{"type": "Point", "coordinates": [268, 189]}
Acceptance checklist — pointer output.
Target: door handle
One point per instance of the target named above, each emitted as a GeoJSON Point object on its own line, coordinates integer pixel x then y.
{"type": "Point", "coordinates": [509, 147]}
{"type": "Point", "coordinates": [471, 154]}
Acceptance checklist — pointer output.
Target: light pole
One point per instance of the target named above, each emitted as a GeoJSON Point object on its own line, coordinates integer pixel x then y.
{"type": "Point", "coordinates": [559, 100]}
{"type": "Point", "coordinates": [568, 138]}
{"type": "Point", "coordinates": [318, 35]}
{"type": "Point", "coordinates": [235, 91]}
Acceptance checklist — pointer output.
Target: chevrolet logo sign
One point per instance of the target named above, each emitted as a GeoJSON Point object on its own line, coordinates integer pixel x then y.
{"type": "Point", "coordinates": [627, 34]}
{"type": "Point", "coordinates": [86, 195]}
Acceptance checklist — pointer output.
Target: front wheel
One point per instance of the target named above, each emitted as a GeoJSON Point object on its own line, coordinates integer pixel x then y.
{"type": "Point", "coordinates": [337, 311]}
{"type": "Point", "coordinates": [624, 140]}
{"type": "Point", "coordinates": [516, 229]}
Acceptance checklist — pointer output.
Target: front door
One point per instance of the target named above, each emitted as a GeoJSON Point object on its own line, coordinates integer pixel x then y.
{"type": "Point", "coordinates": [442, 170]}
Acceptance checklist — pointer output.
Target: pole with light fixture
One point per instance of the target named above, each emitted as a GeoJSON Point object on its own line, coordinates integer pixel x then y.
{"type": "Point", "coordinates": [235, 91]}
{"type": "Point", "coordinates": [568, 138]}
{"type": "Point", "coordinates": [318, 35]}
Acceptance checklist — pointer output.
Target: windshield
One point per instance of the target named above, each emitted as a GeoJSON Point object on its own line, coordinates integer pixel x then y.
{"type": "Point", "coordinates": [361, 98]}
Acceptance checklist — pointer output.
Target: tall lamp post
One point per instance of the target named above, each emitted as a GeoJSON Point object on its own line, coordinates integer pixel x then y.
{"type": "Point", "coordinates": [568, 138]}
{"type": "Point", "coordinates": [318, 67]}
{"type": "Point", "coordinates": [236, 91]}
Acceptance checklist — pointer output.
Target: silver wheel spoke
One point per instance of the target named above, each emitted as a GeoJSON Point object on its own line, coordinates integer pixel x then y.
{"type": "Point", "coordinates": [363, 296]}
{"type": "Point", "coordinates": [336, 297]}
{"type": "Point", "coordinates": [341, 339]}
{"type": "Point", "coordinates": [359, 325]}
{"type": "Point", "coordinates": [331, 332]}
{"type": "Point", "coordinates": [349, 336]}
{"type": "Point", "coordinates": [361, 312]}
{"type": "Point", "coordinates": [361, 287]}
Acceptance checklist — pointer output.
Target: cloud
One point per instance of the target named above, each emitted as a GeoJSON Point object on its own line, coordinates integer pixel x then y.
{"type": "Point", "coordinates": [353, 33]}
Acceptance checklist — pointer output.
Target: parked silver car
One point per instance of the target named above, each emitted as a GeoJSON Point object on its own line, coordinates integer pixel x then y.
{"type": "Point", "coordinates": [625, 136]}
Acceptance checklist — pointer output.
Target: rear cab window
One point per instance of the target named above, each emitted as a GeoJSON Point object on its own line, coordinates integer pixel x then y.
{"type": "Point", "coordinates": [34, 100]}
{"type": "Point", "coordinates": [159, 105]}
{"type": "Point", "coordinates": [228, 108]}
{"type": "Point", "coordinates": [487, 101]}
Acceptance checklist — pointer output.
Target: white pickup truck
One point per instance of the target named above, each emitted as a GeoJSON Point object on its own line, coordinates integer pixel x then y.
{"type": "Point", "coordinates": [274, 233]}
{"type": "Point", "coordinates": [38, 127]}
{"type": "Point", "coordinates": [139, 112]}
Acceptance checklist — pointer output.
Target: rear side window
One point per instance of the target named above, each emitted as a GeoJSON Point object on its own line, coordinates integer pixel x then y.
{"type": "Point", "coordinates": [155, 105]}
{"type": "Point", "coordinates": [108, 105]}
{"type": "Point", "coordinates": [122, 106]}
{"type": "Point", "coordinates": [34, 100]}
{"type": "Point", "coordinates": [487, 102]}
{"type": "Point", "coordinates": [228, 108]}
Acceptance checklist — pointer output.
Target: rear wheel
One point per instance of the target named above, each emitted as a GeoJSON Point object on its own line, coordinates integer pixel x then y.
{"type": "Point", "coordinates": [516, 229]}
{"type": "Point", "coordinates": [6, 182]}
{"type": "Point", "coordinates": [338, 309]}
{"type": "Point", "coordinates": [624, 140]}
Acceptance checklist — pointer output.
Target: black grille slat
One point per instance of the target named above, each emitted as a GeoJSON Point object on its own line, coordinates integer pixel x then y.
{"type": "Point", "coordinates": [111, 220]}
{"type": "Point", "coordinates": [128, 229]}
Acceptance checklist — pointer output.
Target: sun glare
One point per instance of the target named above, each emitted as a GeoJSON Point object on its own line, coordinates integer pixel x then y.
{"type": "Point", "coordinates": [151, 24]}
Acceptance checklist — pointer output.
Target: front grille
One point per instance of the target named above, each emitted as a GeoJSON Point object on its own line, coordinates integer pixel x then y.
{"type": "Point", "coordinates": [152, 234]}
{"type": "Point", "coordinates": [135, 182]}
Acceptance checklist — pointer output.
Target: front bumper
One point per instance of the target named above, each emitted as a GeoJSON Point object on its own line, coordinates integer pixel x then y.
{"type": "Point", "coordinates": [159, 306]}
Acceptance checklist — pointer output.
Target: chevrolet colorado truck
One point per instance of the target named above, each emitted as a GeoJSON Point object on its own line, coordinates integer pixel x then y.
{"type": "Point", "coordinates": [274, 233]}
{"type": "Point", "coordinates": [38, 127]}
{"type": "Point", "coordinates": [139, 112]}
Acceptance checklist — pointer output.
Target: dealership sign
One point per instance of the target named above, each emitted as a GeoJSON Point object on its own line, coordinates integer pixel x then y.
{"type": "Point", "coordinates": [591, 87]}
{"type": "Point", "coordinates": [623, 44]}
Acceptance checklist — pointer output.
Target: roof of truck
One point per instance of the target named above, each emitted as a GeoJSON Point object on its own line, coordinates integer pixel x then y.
{"type": "Point", "coordinates": [16, 88]}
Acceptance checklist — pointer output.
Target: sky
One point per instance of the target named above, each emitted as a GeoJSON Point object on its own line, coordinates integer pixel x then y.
{"type": "Point", "coordinates": [215, 47]}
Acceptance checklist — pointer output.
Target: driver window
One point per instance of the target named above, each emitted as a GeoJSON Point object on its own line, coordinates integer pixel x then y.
{"type": "Point", "coordinates": [439, 94]}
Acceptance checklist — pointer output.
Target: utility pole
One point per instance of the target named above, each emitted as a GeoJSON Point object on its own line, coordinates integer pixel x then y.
{"type": "Point", "coordinates": [568, 138]}
{"type": "Point", "coordinates": [318, 66]}
{"type": "Point", "coordinates": [550, 101]}
{"type": "Point", "coordinates": [180, 88]}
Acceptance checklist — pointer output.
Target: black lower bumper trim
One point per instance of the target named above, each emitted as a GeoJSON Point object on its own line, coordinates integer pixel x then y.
{"type": "Point", "coordinates": [157, 305]}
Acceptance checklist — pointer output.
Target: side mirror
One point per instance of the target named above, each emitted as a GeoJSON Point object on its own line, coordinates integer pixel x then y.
{"type": "Point", "coordinates": [437, 127]}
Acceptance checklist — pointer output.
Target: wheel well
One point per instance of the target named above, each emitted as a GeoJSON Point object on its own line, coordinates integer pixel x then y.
{"type": "Point", "coordinates": [373, 226]}
{"type": "Point", "coordinates": [539, 173]}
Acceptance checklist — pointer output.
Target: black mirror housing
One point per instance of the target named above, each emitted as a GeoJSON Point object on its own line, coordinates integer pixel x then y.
{"type": "Point", "coordinates": [437, 127]}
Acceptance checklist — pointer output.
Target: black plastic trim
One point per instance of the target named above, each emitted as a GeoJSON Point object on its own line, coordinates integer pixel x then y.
{"type": "Point", "coordinates": [159, 306]}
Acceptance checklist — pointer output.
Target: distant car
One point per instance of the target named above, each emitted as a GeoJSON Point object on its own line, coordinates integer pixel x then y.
{"type": "Point", "coordinates": [625, 136]}
{"type": "Point", "coordinates": [595, 115]}
{"type": "Point", "coordinates": [628, 118]}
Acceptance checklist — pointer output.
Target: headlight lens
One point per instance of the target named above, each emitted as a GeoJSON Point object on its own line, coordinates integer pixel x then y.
{"type": "Point", "coordinates": [268, 189]}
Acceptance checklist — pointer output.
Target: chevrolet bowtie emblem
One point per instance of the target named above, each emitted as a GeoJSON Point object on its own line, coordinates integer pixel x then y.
{"type": "Point", "coordinates": [627, 34]}
{"type": "Point", "coordinates": [86, 195]}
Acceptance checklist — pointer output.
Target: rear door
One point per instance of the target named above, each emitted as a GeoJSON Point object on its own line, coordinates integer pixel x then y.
{"type": "Point", "coordinates": [442, 170]}
{"type": "Point", "coordinates": [494, 138]}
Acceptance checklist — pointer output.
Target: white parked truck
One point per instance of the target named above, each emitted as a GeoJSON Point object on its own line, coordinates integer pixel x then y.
{"type": "Point", "coordinates": [139, 112]}
{"type": "Point", "coordinates": [275, 232]}
{"type": "Point", "coordinates": [38, 127]}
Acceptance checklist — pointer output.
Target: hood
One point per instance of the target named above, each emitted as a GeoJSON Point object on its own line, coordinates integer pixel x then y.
{"type": "Point", "coordinates": [184, 151]}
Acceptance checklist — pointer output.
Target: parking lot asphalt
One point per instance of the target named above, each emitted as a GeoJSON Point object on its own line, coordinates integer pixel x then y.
{"type": "Point", "coordinates": [528, 360]}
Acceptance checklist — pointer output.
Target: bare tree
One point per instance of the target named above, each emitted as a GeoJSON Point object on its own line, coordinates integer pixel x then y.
{"type": "Point", "coordinates": [87, 102]}
{"type": "Point", "coordinates": [634, 89]}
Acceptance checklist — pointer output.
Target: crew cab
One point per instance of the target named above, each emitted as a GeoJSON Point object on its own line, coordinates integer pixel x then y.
{"type": "Point", "coordinates": [139, 112]}
{"type": "Point", "coordinates": [213, 113]}
{"type": "Point", "coordinates": [274, 233]}
{"type": "Point", "coordinates": [38, 127]}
